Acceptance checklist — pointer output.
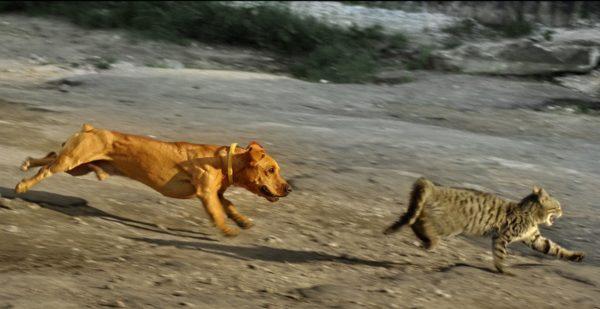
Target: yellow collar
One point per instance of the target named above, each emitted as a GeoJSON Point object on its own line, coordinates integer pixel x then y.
{"type": "Point", "coordinates": [229, 162]}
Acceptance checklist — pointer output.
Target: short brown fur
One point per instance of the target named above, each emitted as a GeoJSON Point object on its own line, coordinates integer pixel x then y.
{"type": "Point", "coordinates": [436, 211]}
{"type": "Point", "coordinates": [175, 169]}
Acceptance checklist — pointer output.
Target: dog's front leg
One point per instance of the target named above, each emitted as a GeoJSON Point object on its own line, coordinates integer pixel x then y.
{"type": "Point", "coordinates": [215, 211]}
{"type": "Point", "coordinates": [207, 187]}
{"type": "Point", "coordinates": [241, 220]}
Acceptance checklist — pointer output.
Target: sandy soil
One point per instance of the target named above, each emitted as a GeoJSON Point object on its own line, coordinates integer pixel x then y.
{"type": "Point", "coordinates": [350, 151]}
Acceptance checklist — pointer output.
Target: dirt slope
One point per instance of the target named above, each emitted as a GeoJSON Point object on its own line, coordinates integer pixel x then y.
{"type": "Point", "coordinates": [351, 152]}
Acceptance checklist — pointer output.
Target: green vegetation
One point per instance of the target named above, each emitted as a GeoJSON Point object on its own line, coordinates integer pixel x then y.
{"type": "Point", "coordinates": [548, 35]}
{"type": "Point", "coordinates": [423, 60]}
{"type": "Point", "coordinates": [318, 50]}
{"type": "Point", "coordinates": [463, 27]}
{"type": "Point", "coordinates": [514, 28]}
{"type": "Point", "coordinates": [102, 63]}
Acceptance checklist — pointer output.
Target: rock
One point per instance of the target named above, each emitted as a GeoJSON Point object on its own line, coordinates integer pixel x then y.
{"type": "Point", "coordinates": [164, 281]}
{"type": "Point", "coordinates": [386, 291]}
{"type": "Point", "coordinates": [10, 228]}
{"type": "Point", "coordinates": [272, 239]}
{"type": "Point", "coordinates": [209, 280]}
{"type": "Point", "coordinates": [69, 81]}
{"type": "Point", "coordinates": [332, 245]}
{"type": "Point", "coordinates": [267, 290]}
{"type": "Point", "coordinates": [38, 59]}
{"type": "Point", "coordinates": [588, 84]}
{"type": "Point", "coordinates": [179, 293]}
{"type": "Point", "coordinates": [112, 303]}
{"type": "Point", "coordinates": [521, 57]}
{"type": "Point", "coordinates": [175, 264]}
{"type": "Point", "coordinates": [63, 88]}
{"type": "Point", "coordinates": [15, 204]}
{"type": "Point", "coordinates": [327, 292]}
{"type": "Point", "coordinates": [6, 203]}
{"type": "Point", "coordinates": [79, 221]}
{"type": "Point", "coordinates": [173, 64]}
{"type": "Point", "coordinates": [441, 293]}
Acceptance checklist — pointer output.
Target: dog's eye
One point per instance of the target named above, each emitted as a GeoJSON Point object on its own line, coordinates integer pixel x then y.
{"type": "Point", "coordinates": [271, 170]}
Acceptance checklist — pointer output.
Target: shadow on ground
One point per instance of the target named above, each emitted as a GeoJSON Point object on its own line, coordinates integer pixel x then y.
{"type": "Point", "coordinates": [267, 254]}
{"type": "Point", "coordinates": [78, 207]}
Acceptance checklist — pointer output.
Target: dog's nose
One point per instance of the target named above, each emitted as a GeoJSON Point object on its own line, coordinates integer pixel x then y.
{"type": "Point", "coordinates": [287, 189]}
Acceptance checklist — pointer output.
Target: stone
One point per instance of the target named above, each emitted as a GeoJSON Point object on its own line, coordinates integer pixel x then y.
{"type": "Point", "coordinates": [588, 84]}
{"type": "Point", "coordinates": [112, 303]}
{"type": "Point", "coordinates": [173, 64]}
{"type": "Point", "coordinates": [10, 228]}
{"type": "Point", "coordinates": [272, 239]}
{"type": "Point", "coordinates": [207, 280]}
{"type": "Point", "coordinates": [179, 293]}
{"type": "Point", "coordinates": [441, 293]}
{"type": "Point", "coordinates": [518, 57]}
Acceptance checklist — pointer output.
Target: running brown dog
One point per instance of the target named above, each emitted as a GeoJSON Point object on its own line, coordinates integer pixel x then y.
{"type": "Point", "coordinates": [175, 169]}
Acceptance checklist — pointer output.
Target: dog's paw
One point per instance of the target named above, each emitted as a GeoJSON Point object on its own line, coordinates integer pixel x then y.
{"type": "Point", "coordinates": [25, 165]}
{"type": "Point", "coordinates": [230, 231]}
{"type": "Point", "coordinates": [577, 257]}
{"type": "Point", "coordinates": [21, 187]}
{"type": "Point", "coordinates": [245, 224]}
{"type": "Point", "coordinates": [101, 175]}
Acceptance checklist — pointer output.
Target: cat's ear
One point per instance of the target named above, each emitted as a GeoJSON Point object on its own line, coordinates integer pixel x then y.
{"type": "Point", "coordinates": [540, 192]}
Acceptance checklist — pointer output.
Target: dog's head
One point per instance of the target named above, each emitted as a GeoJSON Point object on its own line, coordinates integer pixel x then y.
{"type": "Point", "coordinates": [261, 174]}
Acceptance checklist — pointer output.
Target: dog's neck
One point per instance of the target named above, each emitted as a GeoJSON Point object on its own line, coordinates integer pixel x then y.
{"type": "Point", "coordinates": [233, 162]}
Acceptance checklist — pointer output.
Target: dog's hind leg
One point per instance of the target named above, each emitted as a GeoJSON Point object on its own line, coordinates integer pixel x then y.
{"type": "Point", "coordinates": [33, 162]}
{"type": "Point", "coordinates": [86, 168]}
{"type": "Point", "coordinates": [81, 148]}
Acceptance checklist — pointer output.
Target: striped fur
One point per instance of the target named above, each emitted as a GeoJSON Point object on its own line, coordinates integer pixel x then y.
{"type": "Point", "coordinates": [435, 211]}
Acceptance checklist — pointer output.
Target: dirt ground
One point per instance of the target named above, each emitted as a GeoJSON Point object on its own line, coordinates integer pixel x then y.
{"type": "Point", "coordinates": [350, 151]}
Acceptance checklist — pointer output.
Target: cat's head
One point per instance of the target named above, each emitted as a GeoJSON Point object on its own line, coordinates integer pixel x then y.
{"type": "Point", "coordinates": [544, 208]}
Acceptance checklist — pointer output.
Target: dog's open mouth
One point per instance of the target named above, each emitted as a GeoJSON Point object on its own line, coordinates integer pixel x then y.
{"type": "Point", "coordinates": [268, 195]}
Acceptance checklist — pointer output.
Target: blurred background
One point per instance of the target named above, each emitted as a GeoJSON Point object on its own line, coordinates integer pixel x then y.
{"type": "Point", "coordinates": [354, 99]}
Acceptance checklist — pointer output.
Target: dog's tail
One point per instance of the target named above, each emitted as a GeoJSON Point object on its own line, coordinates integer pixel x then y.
{"type": "Point", "coordinates": [86, 127]}
{"type": "Point", "coordinates": [421, 189]}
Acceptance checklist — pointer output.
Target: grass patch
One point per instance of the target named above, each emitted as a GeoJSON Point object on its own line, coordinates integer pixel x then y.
{"type": "Point", "coordinates": [513, 29]}
{"type": "Point", "coordinates": [463, 27]}
{"type": "Point", "coordinates": [319, 50]}
{"type": "Point", "coordinates": [102, 63]}
{"type": "Point", "coordinates": [423, 59]}
{"type": "Point", "coordinates": [573, 106]}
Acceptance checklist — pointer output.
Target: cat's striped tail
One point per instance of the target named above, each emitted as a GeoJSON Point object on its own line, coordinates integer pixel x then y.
{"type": "Point", "coordinates": [420, 191]}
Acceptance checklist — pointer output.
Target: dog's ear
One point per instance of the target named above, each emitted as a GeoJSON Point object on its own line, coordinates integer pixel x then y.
{"type": "Point", "coordinates": [256, 153]}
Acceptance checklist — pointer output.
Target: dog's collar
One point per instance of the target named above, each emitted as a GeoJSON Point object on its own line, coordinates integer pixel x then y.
{"type": "Point", "coordinates": [230, 162]}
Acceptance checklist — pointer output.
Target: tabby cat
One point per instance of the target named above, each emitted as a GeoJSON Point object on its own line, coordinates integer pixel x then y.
{"type": "Point", "coordinates": [435, 211]}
